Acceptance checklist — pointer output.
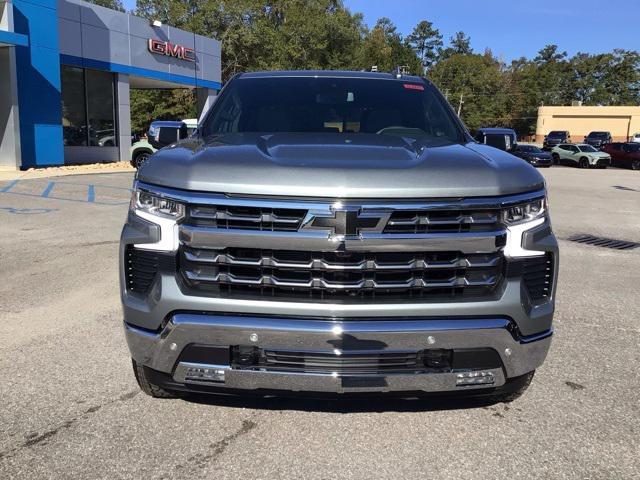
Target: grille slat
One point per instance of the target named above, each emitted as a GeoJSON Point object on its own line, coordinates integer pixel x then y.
{"type": "Point", "coordinates": [332, 274]}
{"type": "Point", "coordinates": [419, 221]}
{"type": "Point", "coordinates": [251, 218]}
{"type": "Point", "coordinates": [141, 267]}
{"type": "Point", "coordinates": [537, 274]}
{"type": "Point", "coordinates": [344, 363]}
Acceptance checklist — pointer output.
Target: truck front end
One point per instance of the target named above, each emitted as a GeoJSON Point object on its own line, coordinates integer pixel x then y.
{"type": "Point", "coordinates": [358, 290]}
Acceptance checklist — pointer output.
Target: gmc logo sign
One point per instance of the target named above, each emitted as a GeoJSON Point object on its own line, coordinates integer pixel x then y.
{"type": "Point", "coordinates": [171, 50]}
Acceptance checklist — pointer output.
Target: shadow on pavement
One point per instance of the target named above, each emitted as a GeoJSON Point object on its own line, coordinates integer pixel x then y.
{"type": "Point", "coordinates": [347, 404]}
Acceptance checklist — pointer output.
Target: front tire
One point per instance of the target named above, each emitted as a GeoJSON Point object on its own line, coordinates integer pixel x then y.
{"type": "Point", "coordinates": [146, 386]}
{"type": "Point", "coordinates": [635, 165]}
{"type": "Point", "coordinates": [140, 158]}
{"type": "Point", "coordinates": [584, 163]}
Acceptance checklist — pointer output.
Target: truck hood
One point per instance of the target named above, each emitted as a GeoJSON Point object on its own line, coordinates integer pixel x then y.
{"type": "Point", "coordinates": [330, 165]}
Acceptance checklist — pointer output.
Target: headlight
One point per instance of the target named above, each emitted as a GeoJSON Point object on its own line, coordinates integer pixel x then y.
{"type": "Point", "coordinates": [525, 212]}
{"type": "Point", "coordinates": [158, 206]}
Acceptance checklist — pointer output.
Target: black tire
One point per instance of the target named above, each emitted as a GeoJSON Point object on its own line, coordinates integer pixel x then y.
{"type": "Point", "coordinates": [556, 158]}
{"type": "Point", "coordinates": [584, 163]}
{"type": "Point", "coordinates": [146, 386]}
{"type": "Point", "coordinates": [522, 385]}
{"type": "Point", "coordinates": [635, 165]}
{"type": "Point", "coordinates": [140, 158]}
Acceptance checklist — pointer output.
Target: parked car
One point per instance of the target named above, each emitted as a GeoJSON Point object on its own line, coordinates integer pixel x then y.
{"type": "Point", "coordinates": [275, 251]}
{"type": "Point", "coordinates": [624, 155]}
{"type": "Point", "coordinates": [161, 133]}
{"type": "Point", "coordinates": [555, 138]}
{"type": "Point", "coordinates": [580, 155]}
{"type": "Point", "coordinates": [635, 138]}
{"type": "Point", "coordinates": [534, 155]}
{"type": "Point", "coordinates": [502, 138]}
{"type": "Point", "coordinates": [598, 139]}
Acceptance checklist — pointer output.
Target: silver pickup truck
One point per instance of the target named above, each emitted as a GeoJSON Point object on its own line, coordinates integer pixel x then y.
{"type": "Point", "coordinates": [336, 232]}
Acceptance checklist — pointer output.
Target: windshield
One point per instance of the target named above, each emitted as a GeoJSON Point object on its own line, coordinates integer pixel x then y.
{"type": "Point", "coordinates": [587, 148]}
{"type": "Point", "coordinates": [597, 135]}
{"type": "Point", "coordinates": [332, 105]}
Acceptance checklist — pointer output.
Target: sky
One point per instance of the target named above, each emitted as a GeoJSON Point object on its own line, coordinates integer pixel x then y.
{"type": "Point", "coordinates": [515, 28]}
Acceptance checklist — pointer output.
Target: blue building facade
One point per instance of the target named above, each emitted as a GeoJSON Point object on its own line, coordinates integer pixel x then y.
{"type": "Point", "coordinates": [66, 69]}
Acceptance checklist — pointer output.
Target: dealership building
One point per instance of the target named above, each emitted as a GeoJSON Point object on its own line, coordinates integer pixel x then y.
{"type": "Point", "coordinates": [66, 70]}
{"type": "Point", "coordinates": [579, 120]}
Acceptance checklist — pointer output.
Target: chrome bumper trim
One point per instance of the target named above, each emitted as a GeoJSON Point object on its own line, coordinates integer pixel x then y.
{"type": "Point", "coordinates": [308, 240]}
{"type": "Point", "coordinates": [155, 349]}
{"type": "Point", "coordinates": [310, 382]}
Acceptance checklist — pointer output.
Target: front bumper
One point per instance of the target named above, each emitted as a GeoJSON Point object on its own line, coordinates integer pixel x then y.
{"type": "Point", "coordinates": [541, 162]}
{"type": "Point", "coordinates": [161, 351]}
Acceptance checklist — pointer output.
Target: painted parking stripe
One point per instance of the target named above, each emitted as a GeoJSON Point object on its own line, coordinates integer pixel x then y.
{"type": "Point", "coordinates": [9, 186]}
{"type": "Point", "coordinates": [96, 194]}
{"type": "Point", "coordinates": [45, 193]}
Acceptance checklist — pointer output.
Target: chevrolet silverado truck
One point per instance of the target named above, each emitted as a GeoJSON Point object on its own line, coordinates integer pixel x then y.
{"type": "Point", "coordinates": [336, 233]}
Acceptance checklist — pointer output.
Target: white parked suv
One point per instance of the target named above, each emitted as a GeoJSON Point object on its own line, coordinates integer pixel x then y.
{"type": "Point", "coordinates": [635, 138]}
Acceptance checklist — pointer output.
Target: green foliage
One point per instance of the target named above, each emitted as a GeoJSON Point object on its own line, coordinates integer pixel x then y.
{"type": "Point", "coordinates": [460, 44]}
{"type": "Point", "coordinates": [426, 41]}
{"type": "Point", "coordinates": [385, 48]}
{"type": "Point", "coordinates": [112, 4]}
{"type": "Point", "coordinates": [149, 105]}
{"type": "Point", "coordinates": [478, 81]}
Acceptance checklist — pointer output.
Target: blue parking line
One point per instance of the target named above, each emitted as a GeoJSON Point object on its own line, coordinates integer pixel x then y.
{"type": "Point", "coordinates": [47, 190]}
{"type": "Point", "coordinates": [91, 194]}
{"type": "Point", "coordinates": [8, 186]}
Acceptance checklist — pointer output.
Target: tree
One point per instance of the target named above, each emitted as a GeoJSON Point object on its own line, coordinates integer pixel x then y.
{"type": "Point", "coordinates": [482, 85]}
{"type": "Point", "coordinates": [550, 54]}
{"type": "Point", "coordinates": [461, 44]}
{"type": "Point", "coordinates": [426, 42]}
{"type": "Point", "coordinates": [112, 4]}
{"type": "Point", "coordinates": [385, 48]}
{"type": "Point", "coordinates": [150, 105]}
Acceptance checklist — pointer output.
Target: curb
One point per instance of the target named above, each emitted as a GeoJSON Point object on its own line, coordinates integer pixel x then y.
{"type": "Point", "coordinates": [25, 175]}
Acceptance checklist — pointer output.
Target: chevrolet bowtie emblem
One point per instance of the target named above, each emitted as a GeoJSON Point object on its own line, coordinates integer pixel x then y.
{"type": "Point", "coordinates": [346, 221]}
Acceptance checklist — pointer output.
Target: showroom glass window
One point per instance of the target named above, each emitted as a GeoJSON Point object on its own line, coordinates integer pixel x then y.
{"type": "Point", "coordinates": [88, 107]}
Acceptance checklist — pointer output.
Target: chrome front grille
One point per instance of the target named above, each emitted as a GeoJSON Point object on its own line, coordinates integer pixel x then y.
{"type": "Point", "coordinates": [442, 221]}
{"type": "Point", "coordinates": [245, 217]}
{"type": "Point", "coordinates": [292, 220]}
{"type": "Point", "coordinates": [326, 275]}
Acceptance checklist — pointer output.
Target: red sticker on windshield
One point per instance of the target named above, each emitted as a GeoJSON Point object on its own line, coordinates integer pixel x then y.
{"type": "Point", "coordinates": [413, 86]}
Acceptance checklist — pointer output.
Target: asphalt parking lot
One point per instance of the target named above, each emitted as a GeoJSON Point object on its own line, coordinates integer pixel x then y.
{"type": "Point", "coordinates": [70, 407]}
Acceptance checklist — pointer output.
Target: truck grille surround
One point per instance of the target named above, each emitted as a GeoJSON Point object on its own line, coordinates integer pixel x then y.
{"type": "Point", "coordinates": [325, 271]}
{"type": "Point", "coordinates": [447, 250]}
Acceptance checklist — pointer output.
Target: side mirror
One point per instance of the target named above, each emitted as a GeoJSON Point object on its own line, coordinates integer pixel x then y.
{"type": "Point", "coordinates": [165, 136]}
